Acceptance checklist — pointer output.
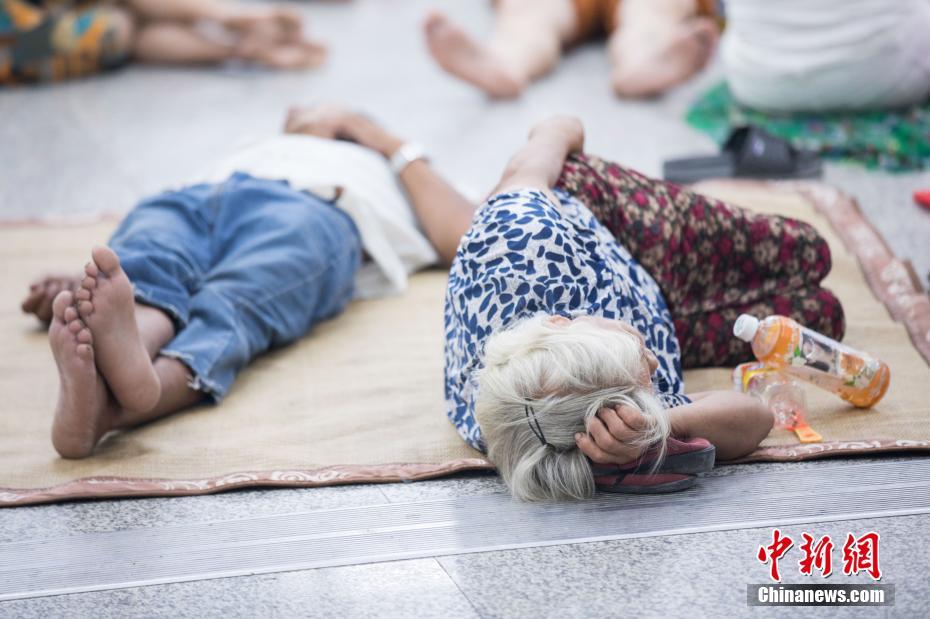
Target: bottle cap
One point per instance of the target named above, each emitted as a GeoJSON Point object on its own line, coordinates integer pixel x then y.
{"type": "Point", "coordinates": [745, 327]}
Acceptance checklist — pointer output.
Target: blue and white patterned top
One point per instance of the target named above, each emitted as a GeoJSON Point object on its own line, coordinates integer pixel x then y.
{"type": "Point", "coordinates": [524, 255]}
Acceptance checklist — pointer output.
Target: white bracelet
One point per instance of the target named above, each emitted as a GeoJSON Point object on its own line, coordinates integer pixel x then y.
{"type": "Point", "coordinates": [406, 154]}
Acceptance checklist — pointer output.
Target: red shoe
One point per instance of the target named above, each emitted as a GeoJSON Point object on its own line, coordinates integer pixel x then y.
{"type": "Point", "coordinates": [633, 483]}
{"type": "Point", "coordinates": [683, 459]}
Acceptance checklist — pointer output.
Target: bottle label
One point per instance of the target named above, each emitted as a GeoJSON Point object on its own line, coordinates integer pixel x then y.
{"type": "Point", "coordinates": [830, 364]}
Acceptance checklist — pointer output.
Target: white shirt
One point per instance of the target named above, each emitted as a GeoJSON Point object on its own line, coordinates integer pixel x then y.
{"type": "Point", "coordinates": [791, 55]}
{"type": "Point", "coordinates": [361, 183]}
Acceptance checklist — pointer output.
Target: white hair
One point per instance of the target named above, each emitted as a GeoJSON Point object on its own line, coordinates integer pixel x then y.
{"type": "Point", "coordinates": [546, 379]}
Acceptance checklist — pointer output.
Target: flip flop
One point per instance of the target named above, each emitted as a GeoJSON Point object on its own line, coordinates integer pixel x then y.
{"type": "Point", "coordinates": [749, 152]}
{"type": "Point", "coordinates": [683, 459]}
{"type": "Point", "coordinates": [633, 483]}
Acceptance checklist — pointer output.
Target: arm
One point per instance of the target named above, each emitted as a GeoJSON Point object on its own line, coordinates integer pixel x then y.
{"type": "Point", "coordinates": [734, 422]}
{"type": "Point", "coordinates": [539, 162]}
{"type": "Point", "coordinates": [444, 214]}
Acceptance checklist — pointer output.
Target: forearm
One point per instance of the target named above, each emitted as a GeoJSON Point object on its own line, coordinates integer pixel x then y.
{"type": "Point", "coordinates": [444, 214]}
{"type": "Point", "coordinates": [734, 422]}
{"type": "Point", "coordinates": [539, 162]}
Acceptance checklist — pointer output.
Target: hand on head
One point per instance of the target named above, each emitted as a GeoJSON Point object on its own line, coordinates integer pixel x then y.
{"type": "Point", "coordinates": [336, 122]}
{"type": "Point", "coordinates": [568, 130]}
{"type": "Point", "coordinates": [42, 293]}
{"type": "Point", "coordinates": [612, 434]}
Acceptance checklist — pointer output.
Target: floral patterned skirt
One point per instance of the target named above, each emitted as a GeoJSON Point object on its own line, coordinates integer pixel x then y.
{"type": "Point", "coordinates": [713, 261]}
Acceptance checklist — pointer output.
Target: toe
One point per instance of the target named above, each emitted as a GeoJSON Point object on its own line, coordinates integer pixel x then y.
{"type": "Point", "coordinates": [62, 301]}
{"type": "Point", "coordinates": [89, 282]}
{"type": "Point", "coordinates": [83, 294]}
{"type": "Point", "coordinates": [90, 269]}
{"type": "Point", "coordinates": [75, 326]}
{"type": "Point", "coordinates": [84, 336]}
{"type": "Point", "coordinates": [70, 313]}
{"type": "Point", "coordinates": [85, 308]}
{"type": "Point", "coordinates": [85, 351]}
{"type": "Point", "coordinates": [105, 259]}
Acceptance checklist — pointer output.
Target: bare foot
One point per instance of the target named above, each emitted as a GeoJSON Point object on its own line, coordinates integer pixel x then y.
{"type": "Point", "coordinates": [275, 23]}
{"type": "Point", "coordinates": [83, 409]}
{"type": "Point", "coordinates": [274, 37]}
{"type": "Point", "coordinates": [42, 292]}
{"type": "Point", "coordinates": [288, 55]}
{"type": "Point", "coordinates": [106, 304]}
{"type": "Point", "coordinates": [644, 70]}
{"type": "Point", "coordinates": [461, 56]}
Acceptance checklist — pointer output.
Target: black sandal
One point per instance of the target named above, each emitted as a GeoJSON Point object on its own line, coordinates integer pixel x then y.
{"type": "Point", "coordinates": [749, 152]}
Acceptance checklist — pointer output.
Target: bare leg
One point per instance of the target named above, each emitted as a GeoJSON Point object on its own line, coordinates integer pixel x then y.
{"type": "Point", "coordinates": [527, 42]}
{"type": "Point", "coordinates": [179, 43]}
{"type": "Point", "coordinates": [658, 44]}
{"type": "Point", "coordinates": [176, 395]}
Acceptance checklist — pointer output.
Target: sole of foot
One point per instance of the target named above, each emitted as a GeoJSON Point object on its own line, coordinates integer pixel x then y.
{"type": "Point", "coordinates": [687, 51]}
{"type": "Point", "coordinates": [81, 414]}
{"type": "Point", "coordinates": [458, 54]}
{"type": "Point", "coordinates": [106, 304]}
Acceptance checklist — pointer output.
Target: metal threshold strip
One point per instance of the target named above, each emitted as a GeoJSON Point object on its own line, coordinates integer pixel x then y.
{"type": "Point", "coordinates": [392, 531]}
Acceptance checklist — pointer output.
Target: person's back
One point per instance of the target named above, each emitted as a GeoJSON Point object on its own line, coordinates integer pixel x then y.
{"type": "Point", "coordinates": [827, 54]}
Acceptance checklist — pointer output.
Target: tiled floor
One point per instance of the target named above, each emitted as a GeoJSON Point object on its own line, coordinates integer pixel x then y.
{"type": "Point", "coordinates": [100, 144]}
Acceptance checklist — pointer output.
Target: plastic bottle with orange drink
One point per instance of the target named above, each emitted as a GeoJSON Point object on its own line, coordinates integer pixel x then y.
{"type": "Point", "coordinates": [780, 393]}
{"type": "Point", "coordinates": [781, 343]}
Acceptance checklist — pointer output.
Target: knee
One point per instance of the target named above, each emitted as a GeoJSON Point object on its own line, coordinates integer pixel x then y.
{"type": "Point", "coordinates": [118, 37]}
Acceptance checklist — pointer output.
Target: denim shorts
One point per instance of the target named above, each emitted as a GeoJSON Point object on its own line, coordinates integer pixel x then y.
{"type": "Point", "coordinates": [241, 267]}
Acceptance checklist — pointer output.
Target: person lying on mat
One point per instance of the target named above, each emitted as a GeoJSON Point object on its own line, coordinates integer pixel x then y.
{"type": "Point", "coordinates": [654, 44]}
{"type": "Point", "coordinates": [42, 40]}
{"type": "Point", "coordinates": [667, 228]}
{"type": "Point", "coordinates": [197, 282]}
{"type": "Point", "coordinates": [561, 355]}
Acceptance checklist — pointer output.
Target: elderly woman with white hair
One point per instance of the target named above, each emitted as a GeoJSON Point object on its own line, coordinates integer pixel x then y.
{"type": "Point", "coordinates": [562, 360]}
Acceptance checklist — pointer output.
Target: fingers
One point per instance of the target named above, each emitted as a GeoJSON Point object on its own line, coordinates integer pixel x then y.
{"type": "Point", "coordinates": [631, 417]}
{"type": "Point", "coordinates": [609, 439]}
{"type": "Point", "coordinates": [611, 435]}
{"type": "Point", "coordinates": [43, 310]}
{"type": "Point", "coordinates": [589, 448]}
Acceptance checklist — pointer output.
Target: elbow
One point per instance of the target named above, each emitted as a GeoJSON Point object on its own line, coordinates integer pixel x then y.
{"type": "Point", "coordinates": [759, 422]}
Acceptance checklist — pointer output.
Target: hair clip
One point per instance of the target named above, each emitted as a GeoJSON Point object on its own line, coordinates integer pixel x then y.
{"type": "Point", "coordinates": [531, 420]}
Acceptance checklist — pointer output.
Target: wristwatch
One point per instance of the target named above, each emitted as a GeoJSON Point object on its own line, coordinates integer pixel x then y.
{"type": "Point", "coordinates": [407, 154]}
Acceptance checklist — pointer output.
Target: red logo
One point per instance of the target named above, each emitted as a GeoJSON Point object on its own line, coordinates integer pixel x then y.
{"type": "Point", "coordinates": [774, 551]}
{"type": "Point", "coordinates": [860, 554]}
{"type": "Point", "coordinates": [817, 556]}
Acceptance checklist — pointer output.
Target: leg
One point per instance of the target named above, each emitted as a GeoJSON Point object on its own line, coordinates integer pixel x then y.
{"type": "Point", "coordinates": [527, 42]}
{"type": "Point", "coordinates": [706, 339]}
{"type": "Point", "coordinates": [158, 257]}
{"type": "Point", "coordinates": [703, 253]}
{"type": "Point", "coordinates": [270, 35]}
{"type": "Point", "coordinates": [285, 260]}
{"type": "Point", "coordinates": [658, 44]}
{"type": "Point", "coordinates": [712, 260]}
{"type": "Point", "coordinates": [179, 43]}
